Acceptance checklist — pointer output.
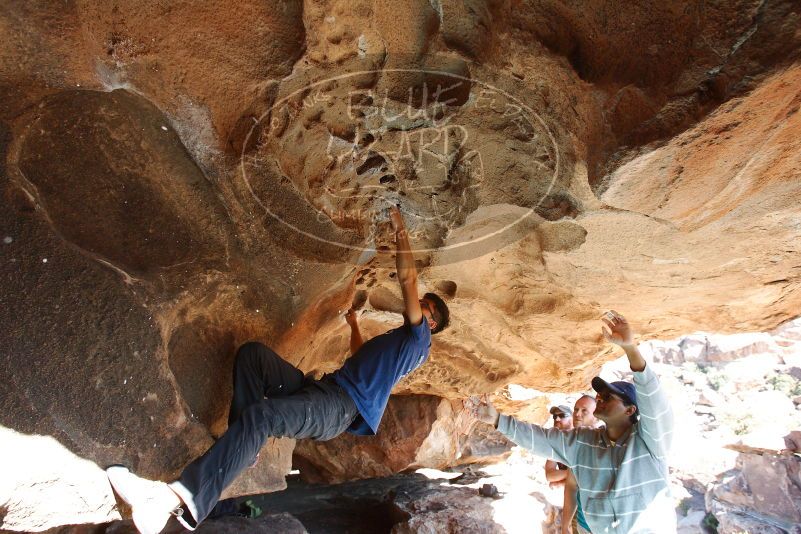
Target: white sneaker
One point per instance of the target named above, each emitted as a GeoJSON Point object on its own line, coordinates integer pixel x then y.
{"type": "Point", "coordinates": [151, 502]}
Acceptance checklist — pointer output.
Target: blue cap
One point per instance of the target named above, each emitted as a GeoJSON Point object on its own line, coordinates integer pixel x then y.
{"type": "Point", "coordinates": [620, 388]}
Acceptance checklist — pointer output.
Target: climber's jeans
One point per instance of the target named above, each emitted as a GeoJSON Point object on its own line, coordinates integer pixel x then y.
{"type": "Point", "coordinates": [295, 407]}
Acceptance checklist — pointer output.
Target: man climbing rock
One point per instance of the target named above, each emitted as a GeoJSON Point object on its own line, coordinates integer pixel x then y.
{"type": "Point", "coordinates": [621, 470]}
{"type": "Point", "coordinates": [272, 398]}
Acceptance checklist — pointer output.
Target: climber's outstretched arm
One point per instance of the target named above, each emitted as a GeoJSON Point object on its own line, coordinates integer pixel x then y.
{"type": "Point", "coordinates": [407, 272]}
{"type": "Point", "coordinates": [356, 340]}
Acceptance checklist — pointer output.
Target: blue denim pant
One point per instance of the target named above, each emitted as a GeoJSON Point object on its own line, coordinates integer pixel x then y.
{"type": "Point", "coordinates": [271, 398]}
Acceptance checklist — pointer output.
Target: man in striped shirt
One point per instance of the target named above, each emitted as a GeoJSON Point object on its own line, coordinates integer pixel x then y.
{"type": "Point", "coordinates": [621, 469]}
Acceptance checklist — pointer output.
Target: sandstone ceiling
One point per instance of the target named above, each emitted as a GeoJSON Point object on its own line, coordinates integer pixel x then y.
{"type": "Point", "coordinates": [178, 178]}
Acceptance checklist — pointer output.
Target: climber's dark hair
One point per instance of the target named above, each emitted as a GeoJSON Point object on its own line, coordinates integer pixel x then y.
{"type": "Point", "coordinates": [441, 314]}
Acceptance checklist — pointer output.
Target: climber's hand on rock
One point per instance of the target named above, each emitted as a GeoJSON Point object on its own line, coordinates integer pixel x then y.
{"type": "Point", "coordinates": [350, 317]}
{"type": "Point", "coordinates": [396, 219]}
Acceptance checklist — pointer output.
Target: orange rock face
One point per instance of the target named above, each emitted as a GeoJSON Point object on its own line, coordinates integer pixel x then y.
{"type": "Point", "coordinates": [443, 435]}
{"type": "Point", "coordinates": [179, 179]}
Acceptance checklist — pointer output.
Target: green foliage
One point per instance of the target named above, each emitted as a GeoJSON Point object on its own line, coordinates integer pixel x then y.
{"type": "Point", "coordinates": [710, 523]}
{"type": "Point", "coordinates": [742, 425]}
{"type": "Point", "coordinates": [714, 376]}
{"type": "Point", "coordinates": [716, 379]}
{"type": "Point", "coordinates": [784, 383]}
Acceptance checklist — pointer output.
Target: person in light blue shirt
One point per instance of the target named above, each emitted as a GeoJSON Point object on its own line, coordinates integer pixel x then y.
{"type": "Point", "coordinates": [273, 398]}
{"type": "Point", "coordinates": [621, 470]}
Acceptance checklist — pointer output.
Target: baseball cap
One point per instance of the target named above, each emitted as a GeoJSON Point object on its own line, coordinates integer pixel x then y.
{"type": "Point", "coordinates": [620, 388]}
{"type": "Point", "coordinates": [566, 410]}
